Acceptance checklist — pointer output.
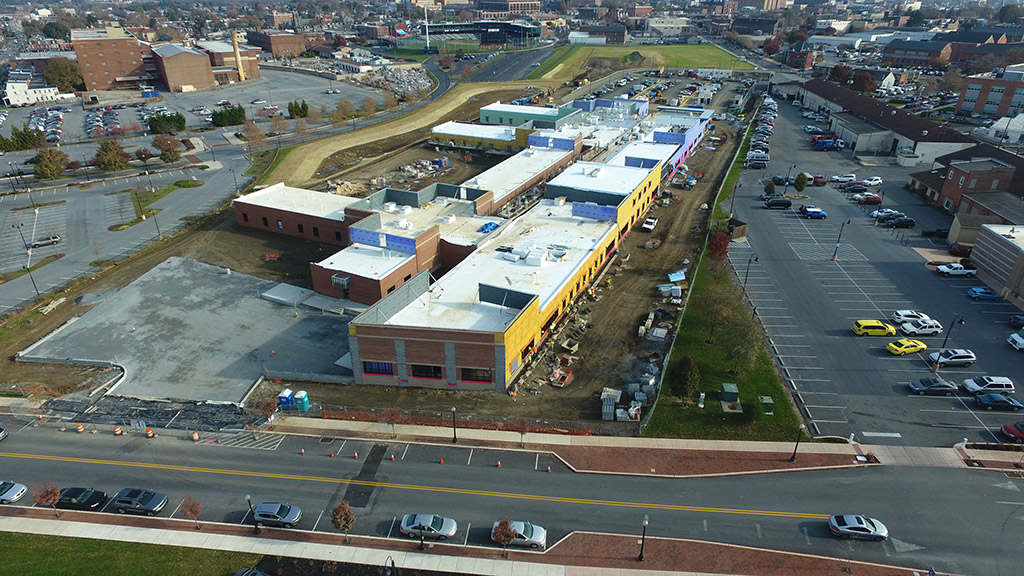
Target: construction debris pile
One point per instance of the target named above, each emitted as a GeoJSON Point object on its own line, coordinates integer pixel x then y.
{"type": "Point", "coordinates": [402, 82]}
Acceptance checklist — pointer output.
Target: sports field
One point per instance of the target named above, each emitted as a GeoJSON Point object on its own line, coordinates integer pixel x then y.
{"type": "Point", "coordinates": [574, 61]}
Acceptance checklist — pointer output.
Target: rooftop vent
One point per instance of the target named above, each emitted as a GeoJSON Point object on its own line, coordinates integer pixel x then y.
{"type": "Point", "coordinates": [390, 206]}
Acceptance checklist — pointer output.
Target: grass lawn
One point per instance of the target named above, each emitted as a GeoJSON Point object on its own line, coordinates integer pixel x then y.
{"type": "Point", "coordinates": [31, 555]}
{"type": "Point", "coordinates": [551, 63]}
{"type": "Point", "coordinates": [673, 56]}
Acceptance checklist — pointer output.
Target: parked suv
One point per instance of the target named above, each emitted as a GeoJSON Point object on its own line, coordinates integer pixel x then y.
{"type": "Point", "coordinates": [986, 384]}
{"type": "Point", "coordinates": [923, 327]}
{"type": "Point", "coordinates": [139, 501]}
{"type": "Point", "coordinates": [277, 514]}
{"type": "Point", "coordinates": [953, 357]}
{"type": "Point", "coordinates": [778, 203]}
{"type": "Point", "coordinates": [49, 241]}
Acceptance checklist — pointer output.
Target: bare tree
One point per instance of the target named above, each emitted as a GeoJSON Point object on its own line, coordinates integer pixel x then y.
{"type": "Point", "coordinates": [301, 128]}
{"type": "Point", "coordinates": [47, 494]}
{"type": "Point", "coordinates": [392, 416]}
{"type": "Point", "coordinates": [343, 517]}
{"type": "Point", "coordinates": [346, 107]}
{"type": "Point", "coordinates": [278, 123]}
{"type": "Point", "coordinates": [503, 534]}
{"type": "Point", "coordinates": [390, 101]}
{"type": "Point", "coordinates": [253, 135]}
{"type": "Point", "coordinates": [191, 508]}
{"type": "Point", "coordinates": [523, 425]}
{"type": "Point", "coordinates": [369, 108]}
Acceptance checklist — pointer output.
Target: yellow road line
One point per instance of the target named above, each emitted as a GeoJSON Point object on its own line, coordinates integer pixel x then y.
{"type": "Point", "coordinates": [440, 489]}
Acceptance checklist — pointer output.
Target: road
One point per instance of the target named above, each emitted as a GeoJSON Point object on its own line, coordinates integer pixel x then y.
{"type": "Point", "coordinates": [808, 302]}
{"type": "Point", "coordinates": [973, 530]}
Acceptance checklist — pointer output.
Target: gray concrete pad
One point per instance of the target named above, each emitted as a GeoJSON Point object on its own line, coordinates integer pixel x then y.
{"type": "Point", "coordinates": [190, 331]}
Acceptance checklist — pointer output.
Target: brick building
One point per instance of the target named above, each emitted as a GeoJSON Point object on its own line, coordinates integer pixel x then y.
{"type": "Point", "coordinates": [222, 55]}
{"type": "Point", "coordinates": [280, 44]}
{"type": "Point", "coordinates": [278, 19]}
{"type": "Point", "coordinates": [504, 8]}
{"type": "Point", "coordinates": [993, 94]}
{"type": "Point", "coordinates": [982, 180]}
{"type": "Point", "coordinates": [111, 58]}
{"type": "Point", "coordinates": [916, 53]}
{"type": "Point", "coordinates": [183, 68]}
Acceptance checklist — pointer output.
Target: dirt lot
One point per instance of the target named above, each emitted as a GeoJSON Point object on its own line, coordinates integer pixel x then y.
{"type": "Point", "coordinates": [609, 352]}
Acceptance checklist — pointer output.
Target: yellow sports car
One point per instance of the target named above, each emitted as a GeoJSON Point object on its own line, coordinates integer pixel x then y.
{"type": "Point", "coordinates": [906, 346]}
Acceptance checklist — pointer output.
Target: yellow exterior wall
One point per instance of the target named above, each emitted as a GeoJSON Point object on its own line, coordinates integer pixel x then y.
{"type": "Point", "coordinates": [521, 141]}
{"type": "Point", "coordinates": [639, 200]}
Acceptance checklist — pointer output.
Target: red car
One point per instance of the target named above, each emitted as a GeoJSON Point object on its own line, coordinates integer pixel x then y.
{"type": "Point", "coordinates": [1014, 432]}
{"type": "Point", "coordinates": [872, 199]}
{"type": "Point", "coordinates": [819, 180]}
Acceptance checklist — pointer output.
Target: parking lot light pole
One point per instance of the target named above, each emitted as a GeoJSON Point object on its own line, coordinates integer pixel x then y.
{"type": "Point", "coordinates": [788, 174]}
{"type": "Point", "coordinates": [235, 178]}
{"type": "Point", "coordinates": [455, 437]}
{"type": "Point", "coordinates": [799, 433]}
{"type": "Point", "coordinates": [753, 258]}
{"type": "Point", "coordinates": [643, 539]}
{"type": "Point", "coordinates": [957, 319]}
{"type": "Point", "coordinates": [28, 265]}
{"type": "Point", "coordinates": [835, 255]}
{"type": "Point", "coordinates": [255, 524]}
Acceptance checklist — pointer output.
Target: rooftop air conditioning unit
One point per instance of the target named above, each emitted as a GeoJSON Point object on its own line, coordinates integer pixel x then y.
{"type": "Point", "coordinates": [407, 209]}
{"type": "Point", "coordinates": [390, 206]}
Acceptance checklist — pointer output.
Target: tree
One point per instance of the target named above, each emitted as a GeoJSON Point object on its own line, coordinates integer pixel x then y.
{"type": "Point", "coordinates": [740, 339]}
{"type": "Point", "coordinates": [465, 72]}
{"type": "Point", "coordinates": [166, 123]}
{"type": "Point", "coordinates": [168, 147]}
{"type": "Point", "coordinates": [1008, 14]}
{"type": "Point", "coordinates": [343, 517]}
{"type": "Point", "coordinates": [144, 155]}
{"type": "Point", "coordinates": [111, 156]}
{"type": "Point", "coordinates": [315, 115]}
{"type": "Point", "coordinates": [800, 183]}
{"type": "Point", "coordinates": [769, 188]}
{"type": "Point", "coordinates": [346, 107]}
{"type": "Point", "coordinates": [253, 135]}
{"type": "Point", "coordinates": [772, 46]}
{"type": "Point", "coordinates": [191, 508]}
{"type": "Point", "coordinates": [523, 426]}
{"type": "Point", "coordinates": [57, 30]}
{"type": "Point", "coordinates": [338, 118]}
{"type": "Point", "coordinates": [840, 74]}
{"type": "Point", "coordinates": [228, 116]}
{"type": "Point", "coordinates": [63, 73]}
{"type": "Point", "coordinates": [718, 245]}
{"type": "Point", "coordinates": [951, 81]}
{"type": "Point", "coordinates": [301, 128]}
{"type": "Point", "coordinates": [390, 101]}
{"type": "Point", "coordinates": [47, 494]}
{"type": "Point", "coordinates": [686, 378]}
{"type": "Point", "coordinates": [716, 303]}
{"type": "Point", "coordinates": [278, 124]}
{"type": "Point", "coordinates": [391, 416]}
{"type": "Point", "coordinates": [369, 108]}
{"type": "Point", "coordinates": [73, 165]}
{"type": "Point", "coordinates": [864, 82]}
{"type": "Point", "coordinates": [503, 534]}
{"type": "Point", "coordinates": [50, 163]}
{"type": "Point", "coordinates": [304, 109]}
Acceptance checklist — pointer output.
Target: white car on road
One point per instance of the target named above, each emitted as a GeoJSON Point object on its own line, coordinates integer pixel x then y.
{"type": "Point", "coordinates": [873, 181]}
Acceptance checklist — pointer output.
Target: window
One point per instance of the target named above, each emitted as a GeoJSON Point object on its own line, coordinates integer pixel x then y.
{"type": "Point", "coordinates": [379, 368]}
{"type": "Point", "coordinates": [265, 223]}
{"type": "Point", "coordinates": [88, 65]}
{"type": "Point", "coordinates": [425, 371]}
{"type": "Point", "coordinates": [245, 217]}
{"type": "Point", "coordinates": [974, 182]}
{"type": "Point", "coordinates": [280, 225]}
{"type": "Point", "coordinates": [950, 177]}
{"type": "Point", "coordinates": [476, 374]}
{"type": "Point", "coordinates": [316, 232]}
{"type": "Point", "coordinates": [100, 54]}
{"type": "Point", "coordinates": [961, 181]}
{"type": "Point", "coordinates": [301, 231]}
{"type": "Point", "coordinates": [337, 235]}
{"type": "Point", "coordinates": [407, 276]}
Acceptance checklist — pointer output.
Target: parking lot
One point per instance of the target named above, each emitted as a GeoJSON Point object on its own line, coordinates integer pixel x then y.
{"type": "Point", "coordinates": [846, 384]}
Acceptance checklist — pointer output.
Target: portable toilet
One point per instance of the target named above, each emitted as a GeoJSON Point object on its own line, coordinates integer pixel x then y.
{"type": "Point", "coordinates": [301, 400]}
{"type": "Point", "coordinates": [286, 399]}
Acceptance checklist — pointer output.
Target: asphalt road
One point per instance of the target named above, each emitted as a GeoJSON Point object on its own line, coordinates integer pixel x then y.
{"type": "Point", "coordinates": [807, 302]}
{"type": "Point", "coordinates": [512, 65]}
{"type": "Point", "coordinates": [973, 529]}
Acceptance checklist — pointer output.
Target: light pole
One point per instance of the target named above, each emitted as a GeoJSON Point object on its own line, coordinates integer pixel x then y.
{"type": "Point", "coordinates": [753, 258]}
{"type": "Point", "coordinates": [255, 524]}
{"type": "Point", "coordinates": [389, 567]}
{"type": "Point", "coordinates": [799, 433]}
{"type": "Point", "coordinates": [732, 201]}
{"type": "Point", "coordinates": [233, 177]}
{"type": "Point", "coordinates": [455, 437]}
{"type": "Point", "coordinates": [643, 539]}
{"type": "Point", "coordinates": [28, 251]}
{"type": "Point", "coordinates": [788, 174]}
{"type": "Point", "coordinates": [957, 319]}
{"type": "Point", "coordinates": [85, 165]}
{"type": "Point", "coordinates": [835, 255]}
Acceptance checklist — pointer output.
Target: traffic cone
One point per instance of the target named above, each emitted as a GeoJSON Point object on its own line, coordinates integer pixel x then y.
{"type": "Point", "coordinates": [302, 451]}
{"type": "Point", "coordinates": [442, 460]}
{"type": "Point", "coordinates": [133, 329]}
{"type": "Point", "coordinates": [332, 453]}
{"type": "Point", "coordinates": [80, 428]}
{"type": "Point", "coordinates": [117, 431]}
{"type": "Point", "coordinates": [499, 463]}
{"type": "Point", "coordinates": [357, 456]}
{"type": "Point", "coordinates": [392, 457]}
{"type": "Point", "coordinates": [149, 432]}
{"type": "Point", "coordinates": [195, 436]}
{"type": "Point", "coordinates": [549, 469]}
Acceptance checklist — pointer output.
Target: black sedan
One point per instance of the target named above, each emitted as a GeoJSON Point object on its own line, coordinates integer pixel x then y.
{"type": "Point", "coordinates": [903, 222]}
{"type": "Point", "coordinates": [1017, 320]}
{"type": "Point", "coordinates": [933, 386]}
{"type": "Point", "coordinates": [82, 499]}
{"type": "Point", "coordinates": [999, 401]}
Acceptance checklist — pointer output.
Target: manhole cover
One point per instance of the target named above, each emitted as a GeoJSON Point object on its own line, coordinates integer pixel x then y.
{"type": "Point", "coordinates": [326, 440]}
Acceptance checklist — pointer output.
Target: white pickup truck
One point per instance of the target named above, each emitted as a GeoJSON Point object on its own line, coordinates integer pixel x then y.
{"type": "Point", "coordinates": [956, 270]}
{"type": "Point", "coordinates": [1017, 339]}
{"type": "Point", "coordinates": [649, 224]}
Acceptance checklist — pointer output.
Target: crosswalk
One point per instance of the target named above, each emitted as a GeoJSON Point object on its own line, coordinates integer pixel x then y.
{"type": "Point", "coordinates": [815, 251]}
{"type": "Point", "coordinates": [249, 440]}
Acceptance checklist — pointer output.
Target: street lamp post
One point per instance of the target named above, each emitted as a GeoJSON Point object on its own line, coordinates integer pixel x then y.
{"type": "Point", "coordinates": [28, 265]}
{"type": "Point", "coordinates": [455, 437]}
{"type": "Point", "coordinates": [643, 539]}
{"type": "Point", "coordinates": [753, 258]}
{"type": "Point", "coordinates": [85, 166]}
{"type": "Point", "coordinates": [255, 524]}
{"type": "Point", "coordinates": [835, 255]}
{"type": "Point", "coordinates": [799, 433]}
{"type": "Point", "coordinates": [788, 174]}
{"type": "Point", "coordinates": [233, 177]}
{"type": "Point", "coordinates": [732, 201]}
{"type": "Point", "coordinates": [957, 319]}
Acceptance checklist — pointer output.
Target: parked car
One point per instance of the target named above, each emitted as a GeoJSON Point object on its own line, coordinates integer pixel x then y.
{"type": "Point", "coordinates": [526, 534]}
{"type": "Point", "coordinates": [277, 514]}
{"type": "Point", "coordinates": [986, 384]}
{"type": "Point", "coordinates": [901, 222]}
{"type": "Point", "coordinates": [11, 492]}
{"type": "Point", "coordinates": [873, 181]}
{"type": "Point", "coordinates": [953, 357]}
{"type": "Point", "coordinates": [905, 346]}
{"type": "Point", "coordinates": [923, 327]}
{"type": "Point", "coordinates": [3, 433]}
{"type": "Point", "coordinates": [139, 501]}
{"type": "Point", "coordinates": [902, 316]}
{"type": "Point", "coordinates": [81, 499]}
{"type": "Point", "coordinates": [858, 190]}
{"type": "Point", "coordinates": [996, 401]}
{"type": "Point", "coordinates": [983, 294]}
{"type": "Point", "coordinates": [932, 385]}
{"type": "Point", "coordinates": [756, 165]}
{"type": "Point", "coordinates": [428, 526]}
{"type": "Point", "coordinates": [1017, 320]}
{"type": "Point", "coordinates": [873, 328]}
{"type": "Point", "coordinates": [855, 526]}
{"type": "Point", "coordinates": [869, 199]}
{"type": "Point", "coordinates": [812, 213]}
{"type": "Point", "coordinates": [778, 203]}
{"type": "Point", "coordinates": [844, 178]}
{"type": "Point", "coordinates": [1014, 432]}
{"type": "Point", "coordinates": [48, 241]}
{"type": "Point", "coordinates": [819, 180]}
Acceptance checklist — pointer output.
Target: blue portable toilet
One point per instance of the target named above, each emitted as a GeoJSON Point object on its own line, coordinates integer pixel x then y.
{"type": "Point", "coordinates": [301, 400]}
{"type": "Point", "coordinates": [286, 399]}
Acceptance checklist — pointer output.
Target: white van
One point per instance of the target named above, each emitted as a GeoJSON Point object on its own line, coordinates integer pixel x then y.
{"type": "Point", "coordinates": [758, 157]}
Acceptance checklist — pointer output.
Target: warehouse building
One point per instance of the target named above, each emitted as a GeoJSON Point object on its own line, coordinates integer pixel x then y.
{"type": "Point", "coordinates": [496, 139]}
{"type": "Point", "coordinates": [183, 68]}
{"type": "Point", "coordinates": [540, 117]}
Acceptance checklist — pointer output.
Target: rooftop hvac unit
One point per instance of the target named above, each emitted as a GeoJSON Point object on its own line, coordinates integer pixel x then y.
{"type": "Point", "coordinates": [510, 256]}
{"type": "Point", "coordinates": [406, 209]}
{"type": "Point", "coordinates": [404, 224]}
{"type": "Point", "coordinates": [448, 219]}
{"type": "Point", "coordinates": [390, 206]}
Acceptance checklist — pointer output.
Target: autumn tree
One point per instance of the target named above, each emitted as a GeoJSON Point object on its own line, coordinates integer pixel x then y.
{"type": "Point", "coordinates": [390, 101]}
{"type": "Point", "coordinates": [503, 534]}
{"type": "Point", "coordinates": [144, 155]}
{"type": "Point", "coordinates": [343, 517]}
{"type": "Point", "coordinates": [111, 156]}
{"type": "Point", "coordinates": [49, 163]}
{"type": "Point", "coordinates": [772, 46]}
{"type": "Point", "coordinates": [253, 135]}
{"type": "Point", "coordinates": [315, 115]}
{"type": "Point", "coordinates": [338, 118]}
{"type": "Point", "coordinates": [191, 507]}
{"type": "Point", "coordinates": [840, 74]}
{"type": "Point", "coordinates": [73, 165]}
{"type": "Point", "coordinates": [301, 127]}
{"type": "Point", "coordinates": [718, 245]}
{"type": "Point", "coordinates": [168, 147]}
{"type": "Point", "coordinates": [63, 73]}
{"type": "Point", "coordinates": [369, 108]}
{"type": "Point", "coordinates": [346, 107]}
{"type": "Point", "coordinates": [47, 494]}
{"type": "Point", "coordinates": [864, 82]}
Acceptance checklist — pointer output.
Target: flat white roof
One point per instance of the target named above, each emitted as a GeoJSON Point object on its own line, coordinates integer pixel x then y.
{"type": "Point", "coordinates": [511, 174]}
{"type": "Point", "coordinates": [454, 216]}
{"type": "Point", "coordinates": [598, 177]}
{"type": "Point", "coordinates": [491, 132]}
{"type": "Point", "coordinates": [649, 150]}
{"type": "Point", "coordinates": [365, 261]}
{"type": "Point", "coordinates": [299, 200]}
{"type": "Point", "coordinates": [1010, 232]}
{"type": "Point", "coordinates": [517, 109]}
{"type": "Point", "coordinates": [559, 244]}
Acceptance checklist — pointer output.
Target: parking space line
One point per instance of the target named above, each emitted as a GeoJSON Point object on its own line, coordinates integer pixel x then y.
{"type": "Point", "coordinates": [797, 356]}
{"type": "Point", "coordinates": [881, 434]}
{"type": "Point", "coordinates": [789, 335]}
{"type": "Point", "coordinates": [822, 406]}
{"type": "Point", "coordinates": [804, 368]}
{"type": "Point", "coordinates": [793, 345]}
